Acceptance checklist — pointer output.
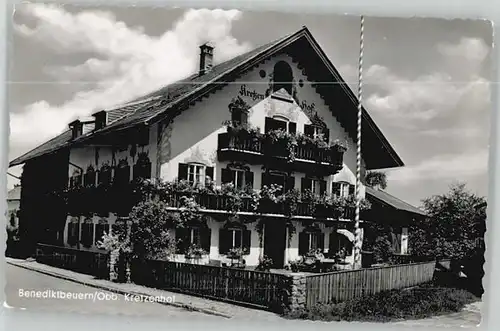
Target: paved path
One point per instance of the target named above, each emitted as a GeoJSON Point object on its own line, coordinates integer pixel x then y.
{"type": "Point", "coordinates": [105, 302]}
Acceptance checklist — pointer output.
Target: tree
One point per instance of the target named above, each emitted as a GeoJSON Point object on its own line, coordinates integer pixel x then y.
{"type": "Point", "coordinates": [376, 178]}
{"type": "Point", "coordinates": [150, 236]}
{"type": "Point", "coordinates": [454, 228]}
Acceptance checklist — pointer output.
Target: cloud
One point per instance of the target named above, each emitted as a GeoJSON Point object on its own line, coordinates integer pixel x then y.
{"type": "Point", "coordinates": [125, 62]}
{"type": "Point", "coordinates": [466, 57]}
{"type": "Point", "coordinates": [457, 89]}
{"type": "Point", "coordinates": [444, 167]}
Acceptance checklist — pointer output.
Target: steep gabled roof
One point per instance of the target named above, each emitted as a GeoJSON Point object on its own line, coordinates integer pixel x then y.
{"type": "Point", "coordinates": [170, 100]}
{"type": "Point", "coordinates": [392, 201]}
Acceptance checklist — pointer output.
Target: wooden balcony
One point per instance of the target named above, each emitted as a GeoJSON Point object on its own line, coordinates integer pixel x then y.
{"type": "Point", "coordinates": [221, 203]}
{"type": "Point", "coordinates": [254, 149]}
{"type": "Point", "coordinates": [120, 200]}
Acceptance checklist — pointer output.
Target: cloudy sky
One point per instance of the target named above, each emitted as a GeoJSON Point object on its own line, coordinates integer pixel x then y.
{"type": "Point", "coordinates": [426, 80]}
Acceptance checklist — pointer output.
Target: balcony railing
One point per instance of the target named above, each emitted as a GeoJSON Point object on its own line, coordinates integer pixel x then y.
{"type": "Point", "coordinates": [257, 145]}
{"type": "Point", "coordinates": [120, 200]}
{"type": "Point", "coordinates": [214, 202]}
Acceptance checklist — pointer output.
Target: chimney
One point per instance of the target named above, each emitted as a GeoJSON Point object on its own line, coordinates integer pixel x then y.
{"type": "Point", "coordinates": [76, 128]}
{"type": "Point", "coordinates": [101, 118]}
{"type": "Point", "coordinates": [206, 58]}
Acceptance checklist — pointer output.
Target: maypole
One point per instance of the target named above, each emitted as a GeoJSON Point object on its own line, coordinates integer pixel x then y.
{"type": "Point", "coordinates": [357, 230]}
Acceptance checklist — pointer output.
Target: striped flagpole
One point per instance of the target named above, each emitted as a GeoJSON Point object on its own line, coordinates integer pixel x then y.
{"type": "Point", "coordinates": [357, 230]}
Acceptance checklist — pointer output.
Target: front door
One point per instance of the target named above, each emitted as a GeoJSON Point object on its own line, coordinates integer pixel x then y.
{"type": "Point", "coordinates": [275, 242]}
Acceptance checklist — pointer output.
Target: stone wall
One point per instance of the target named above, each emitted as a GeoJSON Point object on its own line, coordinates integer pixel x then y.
{"type": "Point", "coordinates": [295, 292]}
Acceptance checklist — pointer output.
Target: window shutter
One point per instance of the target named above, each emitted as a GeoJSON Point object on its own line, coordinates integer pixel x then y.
{"type": "Point", "coordinates": [247, 241]}
{"type": "Point", "coordinates": [183, 171]}
{"type": "Point", "coordinates": [305, 184]}
{"type": "Point", "coordinates": [265, 179]}
{"type": "Point", "coordinates": [249, 179]}
{"type": "Point", "coordinates": [303, 243]}
{"type": "Point", "coordinates": [290, 183]}
{"type": "Point", "coordinates": [333, 245]}
{"type": "Point", "coordinates": [224, 241]}
{"type": "Point", "coordinates": [206, 239]}
{"type": "Point", "coordinates": [292, 127]}
{"type": "Point", "coordinates": [398, 243]}
{"type": "Point", "coordinates": [209, 172]}
{"type": "Point", "coordinates": [336, 187]}
{"type": "Point", "coordinates": [309, 130]}
{"type": "Point", "coordinates": [244, 117]}
{"type": "Point", "coordinates": [182, 238]}
{"type": "Point", "coordinates": [394, 242]}
{"type": "Point", "coordinates": [352, 189]}
{"type": "Point", "coordinates": [322, 187]}
{"type": "Point", "coordinates": [326, 134]}
{"type": "Point", "coordinates": [227, 176]}
{"type": "Point", "coordinates": [236, 116]}
{"type": "Point", "coordinates": [321, 240]}
{"type": "Point", "coordinates": [268, 126]}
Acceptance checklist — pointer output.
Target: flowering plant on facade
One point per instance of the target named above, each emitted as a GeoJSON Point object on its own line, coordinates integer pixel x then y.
{"type": "Point", "coordinates": [290, 201]}
{"type": "Point", "coordinates": [234, 197]}
{"type": "Point", "coordinates": [194, 251]}
{"type": "Point", "coordinates": [280, 140]}
{"type": "Point", "coordinates": [236, 252]}
{"type": "Point", "coordinates": [265, 264]}
{"type": "Point", "coordinates": [341, 145]}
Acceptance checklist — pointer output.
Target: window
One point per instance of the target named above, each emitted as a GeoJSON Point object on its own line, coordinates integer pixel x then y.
{"type": "Point", "coordinates": [239, 117]}
{"type": "Point", "coordinates": [101, 228]}
{"type": "Point", "coordinates": [272, 124]}
{"type": "Point", "coordinates": [282, 77]}
{"type": "Point", "coordinates": [240, 178]}
{"type": "Point", "coordinates": [104, 175]}
{"type": "Point", "coordinates": [89, 177]}
{"type": "Point", "coordinates": [234, 237]}
{"type": "Point", "coordinates": [198, 235]}
{"type": "Point", "coordinates": [73, 231]}
{"type": "Point", "coordinates": [311, 239]}
{"type": "Point", "coordinates": [195, 173]}
{"type": "Point", "coordinates": [316, 131]}
{"type": "Point", "coordinates": [142, 169]}
{"type": "Point", "coordinates": [286, 182]}
{"type": "Point", "coordinates": [76, 179]}
{"type": "Point", "coordinates": [122, 173]}
{"type": "Point", "coordinates": [343, 189]}
{"type": "Point", "coordinates": [339, 244]}
{"type": "Point", "coordinates": [314, 185]}
{"type": "Point", "coordinates": [87, 233]}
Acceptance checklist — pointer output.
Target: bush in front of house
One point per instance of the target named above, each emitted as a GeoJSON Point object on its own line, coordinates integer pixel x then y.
{"type": "Point", "coordinates": [415, 303]}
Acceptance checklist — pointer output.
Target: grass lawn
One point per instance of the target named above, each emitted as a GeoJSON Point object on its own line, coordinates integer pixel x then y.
{"type": "Point", "coordinates": [419, 302]}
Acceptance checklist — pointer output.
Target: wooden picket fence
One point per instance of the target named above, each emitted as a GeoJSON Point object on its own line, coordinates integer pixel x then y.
{"type": "Point", "coordinates": [92, 263]}
{"type": "Point", "coordinates": [247, 287]}
{"type": "Point", "coordinates": [342, 285]}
